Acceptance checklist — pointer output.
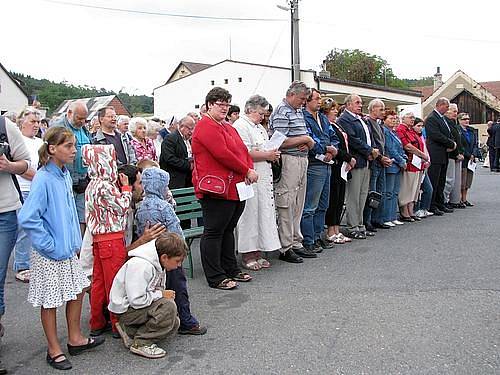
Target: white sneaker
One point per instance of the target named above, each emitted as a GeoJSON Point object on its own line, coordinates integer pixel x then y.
{"type": "Point", "coordinates": [428, 213]}
{"type": "Point", "coordinates": [421, 214]}
{"type": "Point", "coordinates": [148, 351]}
{"type": "Point", "coordinates": [390, 223]}
{"type": "Point", "coordinates": [397, 222]}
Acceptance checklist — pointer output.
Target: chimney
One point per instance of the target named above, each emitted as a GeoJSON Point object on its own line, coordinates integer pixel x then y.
{"type": "Point", "coordinates": [438, 79]}
{"type": "Point", "coordinates": [324, 73]}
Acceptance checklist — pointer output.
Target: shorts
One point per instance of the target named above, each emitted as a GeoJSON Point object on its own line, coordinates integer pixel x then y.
{"type": "Point", "coordinates": [80, 207]}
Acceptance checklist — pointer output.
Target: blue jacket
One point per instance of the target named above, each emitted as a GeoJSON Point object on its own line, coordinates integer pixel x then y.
{"type": "Point", "coordinates": [394, 150]}
{"type": "Point", "coordinates": [154, 208]}
{"type": "Point", "coordinates": [469, 144]}
{"type": "Point", "coordinates": [358, 146]}
{"type": "Point", "coordinates": [49, 214]}
{"type": "Point", "coordinates": [323, 136]}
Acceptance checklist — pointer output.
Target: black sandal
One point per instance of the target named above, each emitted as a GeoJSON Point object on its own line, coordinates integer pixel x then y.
{"type": "Point", "coordinates": [62, 365]}
{"type": "Point", "coordinates": [242, 277]}
{"type": "Point", "coordinates": [91, 343]}
{"type": "Point", "coordinates": [224, 285]}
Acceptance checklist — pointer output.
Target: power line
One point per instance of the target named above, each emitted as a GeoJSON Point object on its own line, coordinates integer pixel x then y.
{"type": "Point", "coordinates": [213, 18]}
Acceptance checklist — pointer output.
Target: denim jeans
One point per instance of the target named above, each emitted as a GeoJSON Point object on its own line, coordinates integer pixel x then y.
{"type": "Point", "coordinates": [426, 197]}
{"type": "Point", "coordinates": [317, 199]}
{"type": "Point", "coordinates": [8, 234]}
{"type": "Point", "coordinates": [176, 281]}
{"type": "Point", "coordinates": [377, 183]}
{"type": "Point", "coordinates": [390, 201]}
{"type": "Point", "coordinates": [23, 247]}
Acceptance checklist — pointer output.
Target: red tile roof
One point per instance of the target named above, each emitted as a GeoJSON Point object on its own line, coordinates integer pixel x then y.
{"type": "Point", "coordinates": [493, 87]}
{"type": "Point", "coordinates": [425, 90]}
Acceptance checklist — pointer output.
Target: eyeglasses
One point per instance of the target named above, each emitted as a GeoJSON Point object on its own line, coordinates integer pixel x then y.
{"type": "Point", "coordinates": [465, 119]}
{"type": "Point", "coordinates": [223, 105]}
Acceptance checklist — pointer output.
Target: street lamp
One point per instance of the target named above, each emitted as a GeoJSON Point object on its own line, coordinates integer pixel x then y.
{"type": "Point", "coordinates": [294, 35]}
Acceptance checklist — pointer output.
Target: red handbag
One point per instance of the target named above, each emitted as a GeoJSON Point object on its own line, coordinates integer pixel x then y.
{"type": "Point", "coordinates": [211, 184]}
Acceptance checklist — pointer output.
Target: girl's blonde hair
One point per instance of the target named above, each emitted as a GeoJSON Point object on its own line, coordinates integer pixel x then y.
{"type": "Point", "coordinates": [53, 137]}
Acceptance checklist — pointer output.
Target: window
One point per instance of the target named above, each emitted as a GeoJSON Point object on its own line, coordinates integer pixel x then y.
{"type": "Point", "coordinates": [212, 82]}
{"type": "Point", "coordinates": [226, 81]}
{"type": "Point", "coordinates": [240, 79]}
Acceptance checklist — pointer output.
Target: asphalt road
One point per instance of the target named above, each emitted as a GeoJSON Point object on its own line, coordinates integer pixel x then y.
{"type": "Point", "coordinates": [420, 299]}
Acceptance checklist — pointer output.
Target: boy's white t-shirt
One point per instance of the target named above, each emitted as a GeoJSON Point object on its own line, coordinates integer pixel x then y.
{"type": "Point", "coordinates": [33, 145]}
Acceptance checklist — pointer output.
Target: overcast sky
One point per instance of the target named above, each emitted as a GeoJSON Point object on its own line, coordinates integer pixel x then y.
{"type": "Point", "coordinates": [138, 52]}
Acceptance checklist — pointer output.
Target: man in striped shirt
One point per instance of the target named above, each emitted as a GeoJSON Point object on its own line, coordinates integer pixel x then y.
{"type": "Point", "coordinates": [290, 190]}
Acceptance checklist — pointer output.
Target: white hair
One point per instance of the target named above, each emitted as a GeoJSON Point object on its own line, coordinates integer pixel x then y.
{"type": "Point", "coordinates": [134, 121]}
{"type": "Point", "coordinates": [375, 103]}
{"type": "Point", "coordinates": [407, 114]}
{"type": "Point", "coordinates": [121, 119]}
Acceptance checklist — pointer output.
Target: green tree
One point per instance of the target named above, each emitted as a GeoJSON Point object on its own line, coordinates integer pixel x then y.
{"type": "Point", "coordinates": [359, 66]}
{"type": "Point", "coordinates": [52, 94]}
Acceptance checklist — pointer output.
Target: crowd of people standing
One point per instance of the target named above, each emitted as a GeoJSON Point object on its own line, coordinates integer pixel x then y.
{"type": "Point", "coordinates": [313, 165]}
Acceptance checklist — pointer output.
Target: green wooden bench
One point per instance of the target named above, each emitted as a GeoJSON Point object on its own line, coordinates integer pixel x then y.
{"type": "Point", "coordinates": [188, 208]}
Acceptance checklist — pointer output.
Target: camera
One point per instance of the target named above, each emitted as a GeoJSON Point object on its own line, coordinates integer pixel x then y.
{"type": "Point", "coordinates": [4, 148]}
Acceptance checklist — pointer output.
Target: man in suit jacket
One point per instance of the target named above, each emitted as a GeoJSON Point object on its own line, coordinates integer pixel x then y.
{"type": "Point", "coordinates": [495, 131]}
{"type": "Point", "coordinates": [360, 147]}
{"type": "Point", "coordinates": [439, 143]}
{"type": "Point", "coordinates": [454, 170]}
{"type": "Point", "coordinates": [176, 154]}
{"type": "Point", "coordinates": [373, 218]}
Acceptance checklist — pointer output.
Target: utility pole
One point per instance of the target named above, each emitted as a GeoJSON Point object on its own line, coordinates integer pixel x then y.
{"type": "Point", "coordinates": [294, 36]}
{"type": "Point", "coordinates": [294, 9]}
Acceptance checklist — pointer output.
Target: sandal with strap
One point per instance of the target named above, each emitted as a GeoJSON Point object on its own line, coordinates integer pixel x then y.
{"type": "Point", "coordinates": [65, 364]}
{"type": "Point", "coordinates": [242, 277]}
{"type": "Point", "coordinates": [251, 264]}
{"type": "Point", "coordinates": [23, 276]}
{"type": "Point", "coordinates": [226, 284]}
{"type": "Point", "coordinates": [338, 239]}
{"type": "Point", "coordinates": [264, 263]}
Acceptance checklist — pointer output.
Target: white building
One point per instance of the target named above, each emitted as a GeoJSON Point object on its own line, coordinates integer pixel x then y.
{"type": "Point", "coordinates": [188, 85]}
{"type": "Point", "coordinates": [12, 97]}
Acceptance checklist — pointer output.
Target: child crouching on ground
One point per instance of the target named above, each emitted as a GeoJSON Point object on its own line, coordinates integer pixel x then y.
{"type": "Point", "coordinates": [147, 313]}
{"type": "Point", "coordinates": [106, 207]}
{"type": "Point", "coordinates": [50, 220]}
{"type": "Point", "coordinates": [155, 209]}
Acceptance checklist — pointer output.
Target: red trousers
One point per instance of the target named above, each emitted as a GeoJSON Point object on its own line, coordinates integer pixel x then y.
{"type": "Point", "coordinates": [109, 255]}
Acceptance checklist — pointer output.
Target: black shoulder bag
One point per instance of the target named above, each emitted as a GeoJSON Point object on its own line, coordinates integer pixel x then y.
{"type": "Point", "coordinates": [5, 150]}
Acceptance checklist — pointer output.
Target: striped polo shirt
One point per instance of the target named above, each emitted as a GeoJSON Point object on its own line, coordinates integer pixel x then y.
{"type": "Point", "coordinates": [290, 122]}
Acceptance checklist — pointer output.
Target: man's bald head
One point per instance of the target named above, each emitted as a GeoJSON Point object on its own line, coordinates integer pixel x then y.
{"type": "Point", "coordinates": [77, 113]}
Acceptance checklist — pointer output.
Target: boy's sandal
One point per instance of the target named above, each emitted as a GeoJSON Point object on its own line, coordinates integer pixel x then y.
{"type": "Point", "coordinates": [252, 265]}
{"type": "Point", "coordinates": [65, 364]}
{"type": "Point", "coordinates": [242, 277]}
{"type": "Point", "coordinates": [226, 284]}
{"type": "Point", "coordinates": [263, 263]}
{"type": "Point", "coordinates": [23, 276]}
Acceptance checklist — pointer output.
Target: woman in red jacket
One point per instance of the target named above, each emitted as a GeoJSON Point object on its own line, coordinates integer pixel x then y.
{"type": "Point", "coordinates": [221, 160]}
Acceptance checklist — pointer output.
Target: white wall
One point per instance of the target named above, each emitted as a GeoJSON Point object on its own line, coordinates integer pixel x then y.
{"type": "Point", "coordinates": [181, 96]}
{"type": "Point", "coordinates": [11, 97]}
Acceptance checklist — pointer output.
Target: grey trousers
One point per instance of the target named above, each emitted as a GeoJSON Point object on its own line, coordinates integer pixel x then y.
{"type": "Point", "coordinates": [150, 324]}
{"type": "Point", "coordinates": [289, 196]}
{"type": "Point", "coordinates": [453, 181]}
{"type": "Point", "coordinates": [356, 192]}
